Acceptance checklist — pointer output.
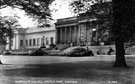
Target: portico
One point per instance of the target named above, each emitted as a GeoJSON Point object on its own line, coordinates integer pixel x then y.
{"type": "Point", "coordinates": [74, 31]}
{"type": "Point", "coordinates": [67, 34]}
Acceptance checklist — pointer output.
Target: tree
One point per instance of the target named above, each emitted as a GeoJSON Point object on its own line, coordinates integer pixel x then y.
{"type": "Point", "coordinates": [37, 9]}
{"type": "Point", "coordinates": [123, 26]}
{"type": "Point", "coordinates": [3, 32]}
{"type": "Point", "coordinates": [8, 24]}
{"type": "Point", "coordinates": [11, 23]}
{"type": "Point", "coordinates": [118, 16]}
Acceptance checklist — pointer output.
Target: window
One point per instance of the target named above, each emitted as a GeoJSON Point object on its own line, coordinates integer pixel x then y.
{"type": "Point", "coordinates": [38, 41]}
{"type": "Point", "coordinates": [21, 42]}
{"type": "Point", "coordinates": [47, 40]}
{"type": "Point", "coordinates": [51, 41]}
{"type": "Point", "coordinates": [30, 42]}
{"type": "Point", "coordinates": [26, 42]}
{"type": "Point", "coordinates": [34, 42]}
{"type": "Point", "coordinates": [12, 42]}
{"type": "Point", "coordinates": [41, 41]}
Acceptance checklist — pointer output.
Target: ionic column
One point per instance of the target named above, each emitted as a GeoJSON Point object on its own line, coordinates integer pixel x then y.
{"type": "Point", "coordinates": [75, 34]}
{"type": "Point", "coordinates": [65, 35]}
{"type": "Point", "coordinates": [60, 35]}
{"type": "Point", "coordinates": [56, 37]}
{"type": "Point", "coordinates": [97, 32]}
{"type": "Point", "coordinates": [79, 33]}
{"type": "Point", "coordinates": [70, 33]}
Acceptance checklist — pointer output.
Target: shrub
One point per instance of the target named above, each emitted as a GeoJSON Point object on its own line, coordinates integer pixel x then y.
{"type": "Point", "coordinates": [89, 53]}
{"type": "Point", "coordinates": [38, 52]}
{"type": "Point", "coordinates": [81, 52]}
{"type": "Point", "coordinates": [6, 53]}
{"type": "Point", "coordinates": [52, 45]}
{"type": "Point", "coordinates": [130, 51]}
{"type": "Point", "coordinates": [15, 53]}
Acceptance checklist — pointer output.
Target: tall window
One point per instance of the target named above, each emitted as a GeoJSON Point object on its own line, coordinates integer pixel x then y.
{"type": "Point", "coordinates": [38, 41]}
{"type": "Point", "coordinates": [44, 40]}
{"type": "Point", "coordinates": [51, 40]}
{"type": "Point", "coordinates": [26, 42]}
{"type": "Point", "coordinates": [47, 40]}
{"type": "Point", "coordinates": [21, 42]}
{"type": "Point", "coordinates": [30, 42]}
{"type": "Point", "coordinates": [34, 42]}
{"type": "Point", "coordinates": [12, 42]}
{"type": "Point", "coordinates": [41, 41]}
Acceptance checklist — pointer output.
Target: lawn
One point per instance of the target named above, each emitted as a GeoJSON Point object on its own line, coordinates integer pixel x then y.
{"type": "Point", "coordinates": [85, 72]}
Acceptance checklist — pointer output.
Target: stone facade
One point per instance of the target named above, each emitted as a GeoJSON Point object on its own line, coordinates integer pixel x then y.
{"type": "Point", "coordinates": [76, 31]}
{"type": "Point", "coordinates": [73, 30]}
{"type": "Point", "coordinates": [25, 38]}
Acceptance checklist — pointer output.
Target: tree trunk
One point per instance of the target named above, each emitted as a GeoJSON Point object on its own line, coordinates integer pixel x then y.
{"type": "Point", "coordinates": [120, 53]}
{"type": "Point", "coordinates": [118, 30]}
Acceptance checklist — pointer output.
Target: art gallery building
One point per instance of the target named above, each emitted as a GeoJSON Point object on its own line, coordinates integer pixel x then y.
{"type": "Point", "coordinates": [71, 31]}
{"type": "Point", "coordinates": [79, 31]}
{"type": "Point", "coordinates": [30, 38]}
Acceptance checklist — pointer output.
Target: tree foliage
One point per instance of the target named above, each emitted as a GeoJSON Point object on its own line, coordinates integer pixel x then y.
{"type": "Point", "coordinates": [124, 15]}
{"type": "Point", "coordinates": [7, 26]}
{"type": "Point", "coordinates": [37, 9]}
{"type": "Point", "coordinates": [103, 10]}
{"type": "Point", "coordinates": [117, 15]}
{"type": "Point", "coordinates": [100, 9]}
{"type": "Point", "coordinates": [3, 32]}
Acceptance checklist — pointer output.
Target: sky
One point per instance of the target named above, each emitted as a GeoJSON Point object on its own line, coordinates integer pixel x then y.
{"type": "Point", "coordinates": [63, 9]}
{"type": "Point", "coordinates": [60, 5]}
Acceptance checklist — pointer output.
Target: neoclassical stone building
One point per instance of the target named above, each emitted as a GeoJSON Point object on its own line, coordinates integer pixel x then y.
{"type": "Point", "coordinates": [73, 30]}
{"type": "Point", "coordinates": [27, 38]}
{"type": "Point", "coordinates": [82, 30]}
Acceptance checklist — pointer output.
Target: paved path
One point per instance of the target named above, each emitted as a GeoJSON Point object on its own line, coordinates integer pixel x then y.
{"type": "Point", "coordinates": [51, 59]}
{"type": "Point", "coordinates": [54, 59]}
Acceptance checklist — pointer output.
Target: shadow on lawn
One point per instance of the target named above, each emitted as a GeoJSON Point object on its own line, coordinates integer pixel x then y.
{"type": "Point", "coordinates": [96, 70]}
{"type": "Point", "coordinates": [88, 70]}
{"type": "Point", "coordinates": [80, 69]}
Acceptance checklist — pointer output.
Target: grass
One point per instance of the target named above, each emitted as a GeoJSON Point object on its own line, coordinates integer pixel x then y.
{"type": "Point", "coordinates": [88, 72]}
